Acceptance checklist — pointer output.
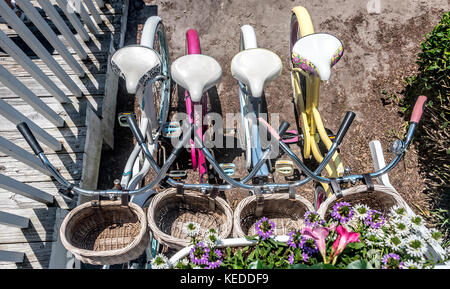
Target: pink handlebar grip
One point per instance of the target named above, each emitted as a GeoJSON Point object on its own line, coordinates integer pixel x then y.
{"type": "Point", "coordinates": [418, 109]}
{"type": "Point", "coordinates": [193, 42]}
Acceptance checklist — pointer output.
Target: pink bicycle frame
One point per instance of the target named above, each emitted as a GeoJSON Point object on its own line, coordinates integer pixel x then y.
{"type": "Point", "coordinates": [195, 116]}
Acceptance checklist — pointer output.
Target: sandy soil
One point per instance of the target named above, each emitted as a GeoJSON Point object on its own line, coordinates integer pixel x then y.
{"type": "Point", "coordinates": [380, 50]}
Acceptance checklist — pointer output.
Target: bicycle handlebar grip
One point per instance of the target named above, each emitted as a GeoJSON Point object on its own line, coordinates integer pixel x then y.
{"type": "Point", "coordinates": [134, 129]}
{"type": "Point", "coordinates": [283, 128]}
{"type": "Point", "coordinates": [29, 137]}
{"type": "Point", "coordinates": [345, 125]}
{"type": "Point", "coordinates": [418, 109]}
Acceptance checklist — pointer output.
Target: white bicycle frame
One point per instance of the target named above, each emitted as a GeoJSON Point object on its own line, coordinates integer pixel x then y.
{"type": "Point", "coordinates": [250, 108]}
{"type": "Point", "coordinates": [137, 166]}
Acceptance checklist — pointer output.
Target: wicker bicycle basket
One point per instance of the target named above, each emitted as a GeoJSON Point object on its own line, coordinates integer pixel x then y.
{"type": "Point", "coordinates": [106, 234]}
{"type": "Point", "coordinates": [287, 213]}
{"type": "Point", "coordinates": [382, 198]}
{"type": "Point", "coordinates": [170, 210]}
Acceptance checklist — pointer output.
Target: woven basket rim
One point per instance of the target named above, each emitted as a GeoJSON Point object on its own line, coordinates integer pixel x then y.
{"type": "Point", "coordinates": [362, 189]}
{"type": "Point", "coordinates": [178, 243]}
{"type": "Point", "coordinates": [275, 196]}
{"type": "Point", "coordinates": [108, 253]}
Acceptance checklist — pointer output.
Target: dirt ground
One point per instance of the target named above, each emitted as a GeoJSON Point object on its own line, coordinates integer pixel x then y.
{"type": "Point", "coordinates": [379, 52]}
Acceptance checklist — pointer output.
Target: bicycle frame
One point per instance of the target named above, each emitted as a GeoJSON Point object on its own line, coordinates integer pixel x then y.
{"type": "Point", "coordinates": [309, 114]}
{"type": "Point", "coordinates": [150, 126]}
{"type": "Point", "coordinates": [195, 115]}
{"type": "Point", "coordinates": [250, 108]}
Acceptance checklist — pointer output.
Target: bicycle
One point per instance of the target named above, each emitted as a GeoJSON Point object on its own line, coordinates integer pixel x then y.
{"type": "Point", "coordinates": [196, 116]}
{"type": "Point", "coordinates": [312, 55]}
{"type": "Point", "coordinates": [254, 68]}
{"type": "Point", "coordinates": [145, 68]}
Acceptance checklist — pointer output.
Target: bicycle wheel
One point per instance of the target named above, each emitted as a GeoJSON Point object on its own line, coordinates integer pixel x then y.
{"type": "Point", "coordinates": [294, 36]}
{"type": "Point", "coordinates": [154, 36]}
{"type": "Point", "coordinates": [320, 196]}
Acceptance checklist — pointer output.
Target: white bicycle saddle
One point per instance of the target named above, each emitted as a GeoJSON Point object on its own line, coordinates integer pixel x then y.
{"type": "Point", "coordinates": [317, 53]}
{"type": "Point", "coordinates": [136, 64]}
{"type": "Point", "coordinates": [255, 68]}
{"type": "Point", "coordinates": [196, 73]}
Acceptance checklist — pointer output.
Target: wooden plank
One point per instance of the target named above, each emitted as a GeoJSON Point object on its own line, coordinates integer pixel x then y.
{"type": "Point", "coordinates": [74, 21]}
{"type": "Point", "coordinates": [26, 64]}
{"type": "Point", "coordinates": [40, 229]}
{"type": "Point", "coordinates": [94, 46]}
{"type": "Point", "coordinates": [18, 153]}
{"type": "Point", "coordinates": [93, 152]}
{"type": "Point", "coordinates": [18, 88]}
{"type": "Point", "coordinates": [17, 187]}
{"type": "Point", "coordinates": [12, 220]}
{"type": "Point", "coordinates": [74, 114]}
{"type": "Point", "coordinates": [63, 28]}
{"type": "Point", "coordinates": [92, 9]}
{"type": "Point", "coordinates": [12, 115]}
{"type": "Point", "coordinates": [72, 138]}
{"type": "Point", "coordinates": [50, 35]}
{"type": "Point", "coordinates": [10, 200]}
{"type": "Point", "coordinates": [18, 25]}
{"type": "Point", "coordinates": [110, 7]}
{"type": "Point", "coordinates": [37, 255]}
{"type": "Point", "coordinates": [60, 257]}
{"type": "Point", "coordinates": [11, 257]}
{"type": "Point", "coordinates": [89, 85]}
{"type": "Point", "coordinates": [69, 165]}
{"type": "Point", "coordinates": [94, 65]}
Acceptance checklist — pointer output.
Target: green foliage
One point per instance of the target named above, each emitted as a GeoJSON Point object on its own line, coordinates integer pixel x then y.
{"type": "Point", "coordinates": [433, 79]}
{"type": "Point", "coordinates": [432, 138]}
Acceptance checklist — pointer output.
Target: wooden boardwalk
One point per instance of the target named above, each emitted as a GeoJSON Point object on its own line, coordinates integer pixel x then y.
{"type": "Point", "coordinates": [89, 122]}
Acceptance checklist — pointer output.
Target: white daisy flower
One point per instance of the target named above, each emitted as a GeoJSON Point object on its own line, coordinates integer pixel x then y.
{"type": "Point", "coordinates": [416, 222]}
{"type": "Point", "coordinates": [393, 241]}
{"type": "Point", "coordinates": [410, 264]}
{"type": "Point", "coordinates": [184, 262]}
{"type": "Point", "coordinates": [212, 239]}
{"type": "Point", "coordinates": [397, 212]}
{"type": "Point", "coordinates": [160, 262]}
{"type": "Point", "coordinates": [415, 246]}
{"type": "Point", "coordinates": [191, 229]}
{"type": "Point", "coordinates": [400, 226]}
{"type": "Point", "coordinates": [373, 238]}
{"type": "Point", "coordinates": [360, 211]}
{"type": "Point", "coordinates": [434, 236]}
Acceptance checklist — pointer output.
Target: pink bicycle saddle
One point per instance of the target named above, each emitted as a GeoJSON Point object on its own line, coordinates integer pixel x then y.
{"type": "Point", "coordinates": [317, 53]}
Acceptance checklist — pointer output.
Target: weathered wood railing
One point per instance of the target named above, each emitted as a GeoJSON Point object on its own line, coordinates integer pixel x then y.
{"type": "Point", "coordinates": [78, 13]}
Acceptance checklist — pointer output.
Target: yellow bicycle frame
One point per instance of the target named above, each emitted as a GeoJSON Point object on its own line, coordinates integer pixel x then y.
{"type": "Point", "coordinates": [309, 113]}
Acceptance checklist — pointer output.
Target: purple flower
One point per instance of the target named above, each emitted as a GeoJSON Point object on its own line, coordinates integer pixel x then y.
{"type": "Point", "coordinates": [342, 212]}
{"type": "Point", "coordinates": [265, 228]}
{"type": "Point", "coordinates": [296, 240]}
{"type": "Point", "coordinates": [374, 219]}
{"type": "Point", "coordinates": [392, 261]}
{"type": "Point", "coordinates": [214, 259]}
{"type": "Point", "coordinates": [310, 246]}
{"type": "Point", "coordinates": [291, 259]}
{"type": "Point", "coordinates": [199, 254]}
{"type": "Point", "coordinates": [305, 257]}
{"type": "Point", "coordinates": [313, 219]}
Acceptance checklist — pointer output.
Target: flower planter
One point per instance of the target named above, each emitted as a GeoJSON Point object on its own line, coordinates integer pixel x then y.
{"type": "Point", "coordinates": [170, 210]}
{"type": "Point", "coordinates": [231, 242]}
{"type": "Point", "coordinates": [287, 213]}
